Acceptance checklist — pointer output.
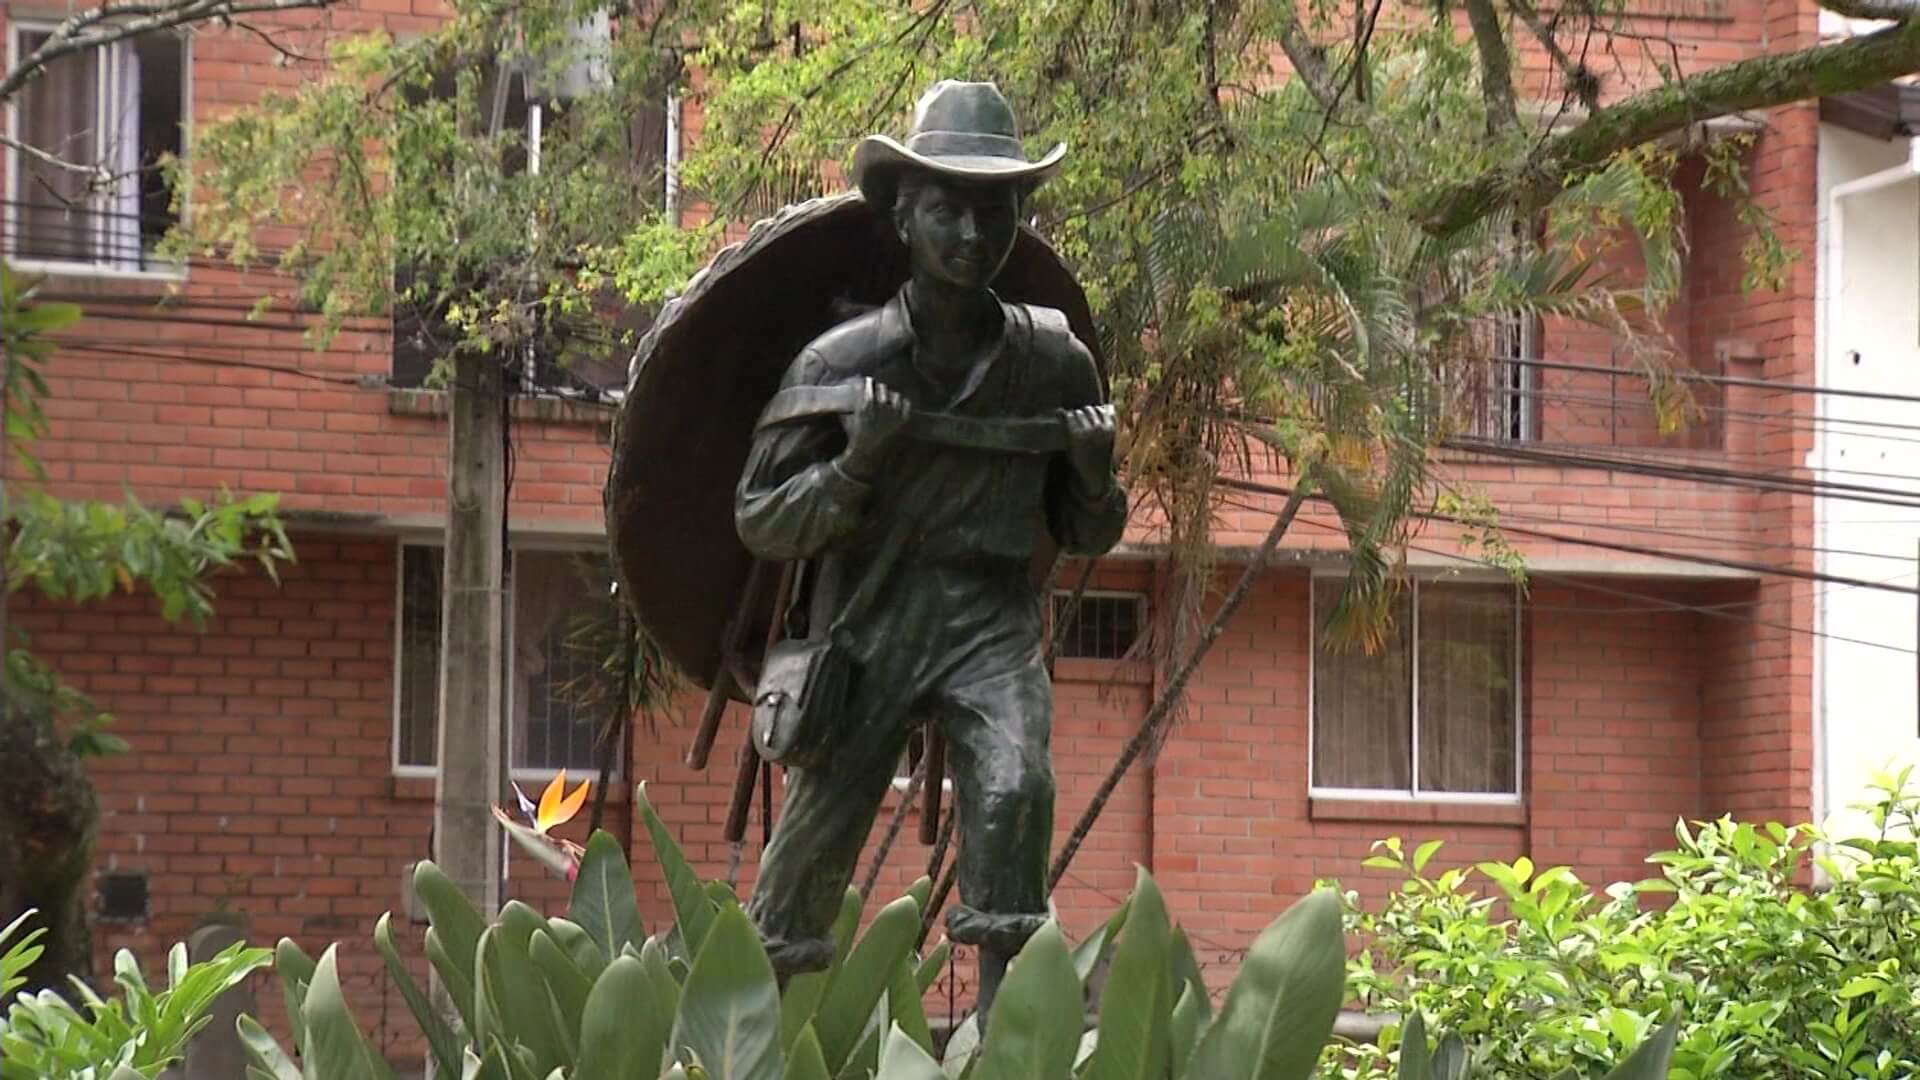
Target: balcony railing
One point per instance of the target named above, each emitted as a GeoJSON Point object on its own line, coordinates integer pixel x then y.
{"type": "Point", "coordinates": [1585, 404]}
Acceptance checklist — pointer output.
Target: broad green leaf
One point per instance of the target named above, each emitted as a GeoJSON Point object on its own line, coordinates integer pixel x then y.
{"type": "Point", "coordinates": [514, 993]}
{"type": "Point", "coordinates": [1088, 954]}
{"type": "Point", "coordinates": [905, 1008]}
{"type": "Point", "coordinates": [1281, 1007]}
{"type": "Point", "coordinates": [666, 987]}
{"type": "Point", "coordinates": [802, 997]}
{"type": "Point", "coordinates": [963, 1048]}
{"type": "Point", "coordinates": [857, 986]}
{"type": "Point", "coordinates": [1649, 1060]}
{"type": "Point", "coordinates": [1183, 1031]}
{"type": "Point", "coordinates": [1450, 1059]}
{"type": "Point", "coordinates": [804, 1060]}
{"type": "Point", "coordinates": [335, 1049]}
{"type": "Point", "coordinates": [1424, 853]}
{"type": "Point", "coordinates": [905, 1059]}
{"type": "Point", "coordinates": [730, 1008]}
{"type": "Point", "coordinates": [579, 947]}
{"type": "Point", "coordinates": [1137, 1003]}
{"type": "Point", "coordinates": [565, 982]}
{"type": "Point", "coordinates": [296, 975]}
{"type": "Point", "coordinates": [693, 910]}
{"type": "Point", "coordinates": [440, 1037]}
{"type": "Point", "coordinates": [455, 921]}
{"type": "Point", "coordinates": [458, 991]}
{"type": "Point", "coordinates": [623, 1025]}
{"type": "Point", "coordinates": [265, 1050]}
{"type": "Point", "coordinates": [1415, 1056]}
{"type": "Point", "coordinates": [1034, 1027]}
{"type": "Point", "coordinates": [930, 967]}
{"type": "Point", "coordinates": [1186, 971]}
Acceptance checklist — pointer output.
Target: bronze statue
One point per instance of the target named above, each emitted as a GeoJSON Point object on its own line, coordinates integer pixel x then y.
{"type": "Point", "coordinates": [916, 457]}
{"type": "Point", "coordinates": [904, 382]}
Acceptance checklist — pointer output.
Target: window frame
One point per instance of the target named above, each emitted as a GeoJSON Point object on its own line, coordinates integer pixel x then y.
{"type": "Point", "coordinates": [15, 28]}
{"type": "Point", "coordinates": [1413, 794]}
{"type": "Point", "coordinates": [520, 546]}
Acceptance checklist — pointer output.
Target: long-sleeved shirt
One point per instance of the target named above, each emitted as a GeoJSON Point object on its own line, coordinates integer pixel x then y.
{"type": "Point", "coordinates": [795, 501]}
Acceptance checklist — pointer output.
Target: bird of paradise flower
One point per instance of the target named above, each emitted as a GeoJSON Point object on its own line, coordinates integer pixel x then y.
{"type": "Point", "coordinates": [557, 806]}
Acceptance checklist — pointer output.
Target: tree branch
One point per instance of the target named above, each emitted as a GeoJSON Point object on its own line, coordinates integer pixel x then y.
{"type": "Point", "coordinates": [1309, 60]}
{"type": "Point", "coordinates": [1758, 83]}
{"type": "Point", "coordinates": [107, 24]}
{"type": "Point", "coordinates": [1580, 81]}
{"type": "Point", "coordinates": [98, 175]}
{"type": "Point", "coordinates": [1496, 66]}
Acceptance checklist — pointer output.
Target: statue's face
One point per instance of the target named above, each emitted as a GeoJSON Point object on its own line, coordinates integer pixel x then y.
{"type": "Point", "coordinates": [959, 233]}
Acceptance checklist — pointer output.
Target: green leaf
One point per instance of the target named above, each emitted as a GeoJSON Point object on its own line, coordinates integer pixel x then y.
{"type": "Point", "coordinates": [1415, 1056]}
{"type": "Point", "coordinates": [458, 992]}
{"type": "Point", "coordinates": [455, 921]}
{"type": "Point", "coordinates": [335, 1049]}
{"type": "Point", "coordinates": [1034, 1028]}
{"type": "Point", "coordinates": [603, 898]}
{"type": "Point", "coordinates": [1281, 1007]}
{"type": "Point", "coordinates": [963, 1048]}
{"type": "Point", "coordinates": [623, 1025]}
{"type": "Point", "coordinates": [693, 910]}
{"type": "Point", "coordinates": [565, 981]}
{"type": "Point", "coordinates": [1088, 954]}
{"type": "Point", "coordinates": [1186, 971]}
{"type": "Point", "coordinates": [905, 1007]}
{"type": "Point", "coordinates": [930, 965]}
{"type": "Point", "coordinates": [296, 975]}
{"type": "Point", "coordinates": [1424, 853]}
{"type": "Point", "coordinates": [1649, 1061]}
{"type": "Point", "coordinates": [514, 993]}
{"type": "Point", "coordinates": [1861, 985]}
{"type": "Point", "coordinates": [801, 1000]}
{"type": "Point", "coordinates": [730, 1008]}
{"type": "Point", "coordinates": [1137, 1004]}
{"type": "Point", "coordinates": [440, 1037]}
{"type": "Point", "coordinates": [904, 1059]}
{"type": "Point", "coordinates": [856, 988]}
{"type": "Point", "coordinates": [1183, 1031]}
{"type": "Point", "coordinates": [804, 1060]}
{"type": "Point", "coordinates": [265, 1050]}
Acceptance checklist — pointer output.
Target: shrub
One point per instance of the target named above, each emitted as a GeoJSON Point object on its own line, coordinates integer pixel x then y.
{"type": "Point", "coordinates": [593, 995]}
{"type": "Point", "coordinates": [1768, 977]}
{"type": "Point", "coordinates": [136, 1035]}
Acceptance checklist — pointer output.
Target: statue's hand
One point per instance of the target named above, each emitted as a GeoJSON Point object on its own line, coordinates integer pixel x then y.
{"type": "Point", "coordinates": [871, 428]}
{"type": "Point", "coordinates": [1090, 446]}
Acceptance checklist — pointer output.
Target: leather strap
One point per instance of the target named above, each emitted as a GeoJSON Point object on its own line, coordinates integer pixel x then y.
{"type": "Point", "coordinates": [1025, 435]}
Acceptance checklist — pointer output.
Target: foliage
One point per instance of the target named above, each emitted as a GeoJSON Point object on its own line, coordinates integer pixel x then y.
{"type": "Point", "coordinates": [1767, 978]}
{"type": "Point", "coordinates": [136, 1035]}
{"type": "Point", "coordinates": [594, 995]}
{"type": "Point", "coordinates": [77, 550]}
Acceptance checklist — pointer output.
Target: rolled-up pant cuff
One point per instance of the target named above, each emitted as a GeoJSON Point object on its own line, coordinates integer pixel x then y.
{"type": "Point", "coordinates": [799, 956]}
{"type": "Point", "coordinates": [1001, 933]}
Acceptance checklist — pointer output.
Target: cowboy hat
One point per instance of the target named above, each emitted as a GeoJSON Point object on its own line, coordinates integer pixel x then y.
{"type": "Point", "coordinates": [960, 129]}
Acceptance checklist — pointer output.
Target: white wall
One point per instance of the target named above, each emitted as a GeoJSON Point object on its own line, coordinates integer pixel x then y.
{"type": "Point", "coordinates": [1868, 331]}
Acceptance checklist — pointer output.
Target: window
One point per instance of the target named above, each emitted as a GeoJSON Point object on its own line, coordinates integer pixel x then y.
{"type": "Point", "coordinates": [1436, 711]}
{"type": "Point", "coordinates": [115, 110]}
{"type": "Point", "coordinates": [1100, 626]}
{"type": "Point", "coordinates": [548, 727]}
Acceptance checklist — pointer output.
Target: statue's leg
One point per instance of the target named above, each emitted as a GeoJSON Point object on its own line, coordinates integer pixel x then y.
{"type": "Point", "coordinates": [823, 824]}
{"type": "Point", "coordinates": [998, 731]}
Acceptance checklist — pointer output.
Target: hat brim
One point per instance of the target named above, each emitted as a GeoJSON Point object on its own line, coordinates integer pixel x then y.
{"type": "Point", "coordinates": [879, 158]}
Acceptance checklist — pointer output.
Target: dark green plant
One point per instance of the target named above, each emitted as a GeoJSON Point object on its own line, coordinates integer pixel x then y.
{"type": "Point", "coordinates": [136, 1035]}
{"type": "Point", "coordinates": [1768, 977]}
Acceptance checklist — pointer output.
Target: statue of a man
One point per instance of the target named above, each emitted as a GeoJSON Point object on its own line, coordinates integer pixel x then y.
{"type": "Point", "coordinates": [937, 537]}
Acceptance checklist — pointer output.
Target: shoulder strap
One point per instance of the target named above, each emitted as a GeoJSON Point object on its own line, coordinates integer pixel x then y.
{"type": "Point", "coordinates": [1024, 435]}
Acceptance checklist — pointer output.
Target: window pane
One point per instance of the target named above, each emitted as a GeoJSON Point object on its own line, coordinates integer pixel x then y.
{"type": "Point", "coordinates": [58, 113]}
{"type": "Point", "coordinates": [1097, 627]}
{"type": "Point", "coordinates": [555, 722]}
{"type": "Point", "coordinates": [1362, 704]}
{"type": "Point", "coordinates": [418, 667]}
{"type": "Point", "coordinates": [1468, 686]}
{"type": "Point", "coordinates": [161, 71]}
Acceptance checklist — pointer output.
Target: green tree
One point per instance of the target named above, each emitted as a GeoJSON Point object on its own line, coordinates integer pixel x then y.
{"type": "Point", "coordinates": [76, 551]}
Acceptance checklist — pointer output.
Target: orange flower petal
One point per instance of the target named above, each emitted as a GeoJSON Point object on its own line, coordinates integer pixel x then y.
{"type": "Point", "coordinates": [570, 805]}
{"type": "Point", "coordinates": [550, 802]}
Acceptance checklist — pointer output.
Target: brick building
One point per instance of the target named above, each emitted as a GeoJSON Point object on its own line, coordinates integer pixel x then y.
{"type": "Point", "coordinates": [282, 760]}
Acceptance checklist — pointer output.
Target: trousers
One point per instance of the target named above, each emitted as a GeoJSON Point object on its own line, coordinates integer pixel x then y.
{"type": "Point", "coordinates": [958, 646]}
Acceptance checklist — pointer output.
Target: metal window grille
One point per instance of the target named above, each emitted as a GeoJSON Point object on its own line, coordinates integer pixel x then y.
{"type": "Point", "coordinates": [1100, 626]}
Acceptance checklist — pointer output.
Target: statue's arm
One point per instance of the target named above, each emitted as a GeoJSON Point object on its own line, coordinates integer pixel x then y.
{"type": "Point", "coordinates": [793, 499]}
{"type": "Point", "coordinates": [1086, 520]}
